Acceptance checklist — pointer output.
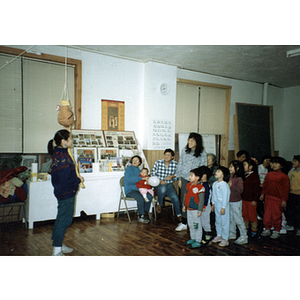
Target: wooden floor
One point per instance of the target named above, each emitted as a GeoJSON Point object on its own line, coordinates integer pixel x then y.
{"type": "Point", "coordinates": [117, 237]}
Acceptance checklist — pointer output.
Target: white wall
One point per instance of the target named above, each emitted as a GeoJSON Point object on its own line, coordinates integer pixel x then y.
{"type": "Point", "coordinates": [137, 84]}
{"type": "Point", "coordinates": [156, 105]}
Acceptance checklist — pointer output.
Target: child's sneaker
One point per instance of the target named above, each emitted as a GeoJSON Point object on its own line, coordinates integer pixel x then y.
{"type": "Point", "coordinates": [283, 227]}
{"type": "Point", "coordinates": [195, 245]}
{"type": "Point", "coordinates": [275, 235]}
{"type": "Point", "coordinates": [290, 228]}
{"type": "Point", "coordinates": [283, 231]}
{"type": "Point", "coordinates": [206, 240]}
{"type": "Point", "coordinates": [241, 240]}
{"type": "Point", "coordinates": [266, 232]}
{"type": "Point", "coordinates": [189, 242]}
{"type": "Point", "coordinates": [224, 243]}
{"type": "Point", "coordinates": [217, 239]}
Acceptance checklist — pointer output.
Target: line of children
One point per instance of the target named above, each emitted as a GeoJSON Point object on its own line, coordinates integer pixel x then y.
{"type": "Point", "coordinates": [234, 200]}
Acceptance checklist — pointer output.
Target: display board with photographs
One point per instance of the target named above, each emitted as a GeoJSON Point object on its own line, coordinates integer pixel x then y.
{"type": "Point", "coordinates": [88, 138]}
{"type": "Point", "coordinates": [123, 140]}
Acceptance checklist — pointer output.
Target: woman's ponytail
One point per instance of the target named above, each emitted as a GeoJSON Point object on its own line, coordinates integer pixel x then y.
{"type": "Point", "coordinates": [51, 147]}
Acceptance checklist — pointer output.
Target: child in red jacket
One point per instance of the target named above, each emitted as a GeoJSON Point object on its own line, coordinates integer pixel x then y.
{"type": "Point", "coordinates": [250, 195]}
{"type": "Point", "coordinates": [275, 192]}
{"type": "Point", "coordinates": [143, 185]}
{"type": "Point", "coordinates": [193, 206]}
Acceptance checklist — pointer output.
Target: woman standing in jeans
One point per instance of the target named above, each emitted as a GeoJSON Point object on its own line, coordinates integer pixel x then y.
{"type": "Point", "coordinates": [191, 157]}
{"type": "Point", "coordinates": [65, 182]}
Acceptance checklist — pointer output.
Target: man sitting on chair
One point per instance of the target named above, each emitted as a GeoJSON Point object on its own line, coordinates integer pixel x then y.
{"type": "Point", "coordinates": [165, 170]}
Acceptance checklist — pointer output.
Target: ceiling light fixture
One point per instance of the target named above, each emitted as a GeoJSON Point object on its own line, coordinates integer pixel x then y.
{"type": "Point", "coordinates": [293, 53]}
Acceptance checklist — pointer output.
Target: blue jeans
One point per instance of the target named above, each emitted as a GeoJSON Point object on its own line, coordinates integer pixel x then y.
{"type": "Point", "coordinates": [64, 218]}
{"type": "Point", "coordinates": [142, 205]}
{"type": "Point", "coordinates": [168, 189]}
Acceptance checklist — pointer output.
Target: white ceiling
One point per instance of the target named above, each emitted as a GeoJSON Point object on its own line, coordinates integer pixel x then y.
{"type": "Point", "coordinates": [262, 64]}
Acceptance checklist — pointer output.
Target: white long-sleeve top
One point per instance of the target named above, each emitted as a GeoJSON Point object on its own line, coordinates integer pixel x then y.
{"type": "Point", "coordinates": [220, 193]}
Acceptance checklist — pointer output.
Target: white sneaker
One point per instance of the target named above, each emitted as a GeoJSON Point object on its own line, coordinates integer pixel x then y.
{"type": "Point", "coordinates": [217, 239]}
{"type": "Point", "coordinates": [181, 227]}
{"type": "Point", "coordinates": [290, 228]}
{"type": "Point", "coordinates": [283, 231]}
{"type": "Point", "coordinates": [224, 243]}
{"type": "Point", "coordinates": [241, 240]}
{"type": "Point", "coordinates": [58, 254]}
{"type": "Point", "coordinates": [275, 235]}
{"type": "Point", "coordinates": [66, 249]}
{"type": "Point", "coordinates": [298, 232]}
{"type": "Point", "coordinates": [266, 232]}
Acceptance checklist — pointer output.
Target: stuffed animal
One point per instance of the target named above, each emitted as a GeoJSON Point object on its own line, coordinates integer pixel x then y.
{"type": "Point", "coordinates": [65, 116]}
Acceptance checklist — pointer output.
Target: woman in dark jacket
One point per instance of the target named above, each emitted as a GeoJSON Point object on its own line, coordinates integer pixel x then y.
{"type": "Point", "coordinates": [66, 183]}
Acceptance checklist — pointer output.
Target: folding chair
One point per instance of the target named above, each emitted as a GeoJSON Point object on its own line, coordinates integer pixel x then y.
{"type": "Point", "coordinates": [124, 198]}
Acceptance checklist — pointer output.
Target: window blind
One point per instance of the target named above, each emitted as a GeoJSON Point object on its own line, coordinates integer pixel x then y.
{"type": "Point", "coordinates": [43, 87]}
{"type": "Point", "coordinates": [212, 111]}
{"type": "Point", "coordinates": [186, 108]}
{"type": "Point", "coordinates": [205, 115]}
{"type": "Point", "coordinates": [10, 105]}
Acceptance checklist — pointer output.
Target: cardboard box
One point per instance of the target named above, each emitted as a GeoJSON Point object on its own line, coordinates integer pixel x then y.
{"type": "Point", "coordinates": [108, 215]}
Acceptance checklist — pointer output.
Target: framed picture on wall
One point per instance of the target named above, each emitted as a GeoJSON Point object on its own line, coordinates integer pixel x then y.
{"type": "Point", "coordinates": [85, 157]}
{"type": "Point", "coordinates": [113, 115]}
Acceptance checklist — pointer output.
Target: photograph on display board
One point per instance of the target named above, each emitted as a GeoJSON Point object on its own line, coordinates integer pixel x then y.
{"type": "Point", "coordinates": [123, 140]}
{"type": "Point", "coordinates": [85, 157]}
{"type": "Point", "coordinates": [107, 153]}
{"type": "Point", "coordinates": [113, 115]}
{"type": "Point", "coordinates": [88, 138]}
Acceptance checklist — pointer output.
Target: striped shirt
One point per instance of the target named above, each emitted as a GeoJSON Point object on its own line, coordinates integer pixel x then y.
{"type": "Point", "coordinates": [162, 171]}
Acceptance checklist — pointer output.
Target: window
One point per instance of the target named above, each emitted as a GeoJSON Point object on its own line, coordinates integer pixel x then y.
{"type": "Point", "coordinates": [32, 86]}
